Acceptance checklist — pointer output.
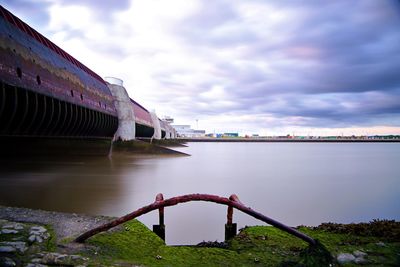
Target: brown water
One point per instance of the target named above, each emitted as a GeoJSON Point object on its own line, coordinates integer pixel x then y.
{"type": "Point", "coordinates": [296, 183]}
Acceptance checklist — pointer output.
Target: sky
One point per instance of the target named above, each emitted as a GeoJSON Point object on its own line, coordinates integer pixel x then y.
{"type": "Point", "coordinates": [248, 66]}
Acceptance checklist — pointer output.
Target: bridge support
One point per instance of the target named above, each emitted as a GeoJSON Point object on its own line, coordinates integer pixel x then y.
{"type": "Point", "coordinates": [156, 125]}
{"type": "Point", "coordinates": [126, 116]}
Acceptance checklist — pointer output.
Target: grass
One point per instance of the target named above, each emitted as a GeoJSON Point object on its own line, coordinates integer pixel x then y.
{"type": "Point", "coordinates": [253, 246]}
{"type": "Point", "coordinates": [134, 243]}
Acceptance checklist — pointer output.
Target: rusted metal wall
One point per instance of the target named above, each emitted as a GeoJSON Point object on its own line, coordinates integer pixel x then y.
{"type": "Point", "coordinates": [45, 91]}
{"type": "Point", "coordinates": [143, 121]}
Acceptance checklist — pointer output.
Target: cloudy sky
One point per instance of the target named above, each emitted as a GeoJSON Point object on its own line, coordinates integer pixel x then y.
{"type": "Point", "coordinates": [248, 66]}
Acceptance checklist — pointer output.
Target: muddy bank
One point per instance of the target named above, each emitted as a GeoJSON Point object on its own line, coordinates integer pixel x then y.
{"type": "Point", "coordinates": [42, 238]}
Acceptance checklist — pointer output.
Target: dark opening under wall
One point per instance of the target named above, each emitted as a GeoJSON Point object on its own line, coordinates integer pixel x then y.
{"type": "Point", "coordinates": [27, 113]}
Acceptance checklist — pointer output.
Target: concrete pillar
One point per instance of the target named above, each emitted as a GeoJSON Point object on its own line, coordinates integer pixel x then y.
{"type": "Point", "coordinates": [126, 116]}
{"type": "Point", "coordinates": [156, 125]}
{"type": "Point", "coordinates": [168, 131]}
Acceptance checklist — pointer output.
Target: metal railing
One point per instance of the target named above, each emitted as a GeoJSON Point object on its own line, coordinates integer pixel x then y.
{"type": "Point", "coordinates": [160, 203]}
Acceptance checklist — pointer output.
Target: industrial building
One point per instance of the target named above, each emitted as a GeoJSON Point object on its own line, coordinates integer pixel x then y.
{"type": "Point", "coordinates": [186, 131]}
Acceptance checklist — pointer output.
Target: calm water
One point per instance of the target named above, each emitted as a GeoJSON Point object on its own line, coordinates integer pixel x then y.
{"type": "Point", "coordinates": [295, 183]}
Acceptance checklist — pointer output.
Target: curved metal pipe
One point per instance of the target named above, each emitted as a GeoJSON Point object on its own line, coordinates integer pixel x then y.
{"type": "Point", "coordinates": [194, 197]}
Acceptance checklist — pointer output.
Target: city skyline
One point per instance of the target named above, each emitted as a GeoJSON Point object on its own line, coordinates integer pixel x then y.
{"type": "Point", "coordinates": [269, 68]}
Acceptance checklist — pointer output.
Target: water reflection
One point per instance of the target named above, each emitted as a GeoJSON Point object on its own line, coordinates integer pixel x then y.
{"type": "Point", "coordinates": [295, 183]}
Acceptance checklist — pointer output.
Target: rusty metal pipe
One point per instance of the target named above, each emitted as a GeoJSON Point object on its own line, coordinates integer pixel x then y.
{"type": "Point", "coordinates": [194, 197]}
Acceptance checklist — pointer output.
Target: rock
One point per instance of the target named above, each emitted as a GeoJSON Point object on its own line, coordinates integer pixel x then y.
{"type": "Point", "coordinates": [38, 234]}
{"type": "Point", "coordinates": [9, 231]}
{"type": "Point", "coordinates": [35, 265]}
{"type": "Point", "coordinates": [53, 258]}
{"type": "Point", "coordinates": [380, 244]}
{"type": "Point", "coordinates": [36, 260]}
{"type": "Point", "coordinates": [345, 258]}
{"type": "Point", "coordinates": [15, 226]}
{"type": "Point", "coordinates": [7, 262]}
{"type": "Point", "coordinates": [39, 229]}
{"type": "Point", "coordinates": [7, 249]}
{"type": "Point", "coordinates": [32, 238]}
{"type": "Point", "coordinates": [359, 253]}
{"type": "Point", "coordinates": [360, 260]}
{"type": "Point", "coordinates": [17, 245]}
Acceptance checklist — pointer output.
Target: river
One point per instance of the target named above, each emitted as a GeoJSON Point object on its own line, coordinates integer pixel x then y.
{"type": "Point", "coordinates": [295, 183]}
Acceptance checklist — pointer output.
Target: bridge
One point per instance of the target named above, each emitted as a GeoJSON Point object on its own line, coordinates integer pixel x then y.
{"type": "Point", "coordinates": [46, 92]}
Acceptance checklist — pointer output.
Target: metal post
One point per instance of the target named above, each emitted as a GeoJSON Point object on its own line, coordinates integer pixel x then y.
{"type": "Point", "coordinates": [230, 228]}
{"type": "Point", "coordinates": [159, 229]}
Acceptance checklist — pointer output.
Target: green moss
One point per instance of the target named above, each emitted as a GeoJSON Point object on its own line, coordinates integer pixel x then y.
{"type": "Point", "coordinates": [258, 246]}
{"type": "Point", "coordinates": [51, 242]}
{"type": "Point", "coordinates": [134, 243]}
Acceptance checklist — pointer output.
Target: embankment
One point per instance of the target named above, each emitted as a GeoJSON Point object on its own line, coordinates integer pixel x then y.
{"type": "Point", "coordinates": [44, 237]}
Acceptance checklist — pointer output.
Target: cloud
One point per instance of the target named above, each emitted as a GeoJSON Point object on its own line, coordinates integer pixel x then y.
{"type": "Point", "coordinates": [239, 64]}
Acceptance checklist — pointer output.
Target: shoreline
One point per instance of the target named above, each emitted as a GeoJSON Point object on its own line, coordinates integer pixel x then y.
{"type": "Point", "coordinates": [284, 140]}
{"type": "Point", "coordinates": [133, 244]}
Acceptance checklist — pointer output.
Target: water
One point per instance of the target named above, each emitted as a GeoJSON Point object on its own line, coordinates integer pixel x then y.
{"type": "Point", "coordinates": [296, 183]}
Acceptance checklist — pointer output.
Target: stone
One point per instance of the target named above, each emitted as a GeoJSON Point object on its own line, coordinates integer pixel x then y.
{"type": "Point", "coordinates": [7, 262]}
{"type": "Point", "coordinates": [345, 258]}
{"type": "Point", "coordinates": [39, 229]}
{"type": "Point", "coordinates": [17, 245]}
{"type": "Point", "coordinates": [359, 253]}
{"type": "Point", "coordinates": [38, 234]}
{"type": "Point", "coordinates": [360, 260]}
{"type": "Point", "coordinates": [7, 249]}
{"type": "Point", "coordinates": [39, 239]}
{"type": "Point", "coordinates": [9, 231]}
{"type": "Point", "coordinates": [36, 260]}
{"type": "Point", "coordinates": [16, 226]}
{"type": "Point", "coordinates": [380, 244]}
{"type": "Point", "coordinates": [32, 238]}
{"type": "Point", "coordinates": [53, 258]}
{"type": "Point", "coordinates": [35, 265]}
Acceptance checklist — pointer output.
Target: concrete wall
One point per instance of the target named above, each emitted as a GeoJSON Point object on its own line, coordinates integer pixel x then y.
{"type": "Point", "coordinates": [126, 116]}
{"type": "Point", "coordinates": [156, 125]}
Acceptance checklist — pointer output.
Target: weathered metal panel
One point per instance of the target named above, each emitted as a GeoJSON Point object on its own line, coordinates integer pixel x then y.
{"type": "Point", "coordinates": [142, 115]}
{"type": "Point", "coordinates": [31, 61]}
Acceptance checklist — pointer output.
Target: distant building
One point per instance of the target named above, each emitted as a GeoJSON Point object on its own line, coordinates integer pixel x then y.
{"type": "Point", "coordinates": [186, 131]}
{"type": "Point", "coordinates": [168, 119]}
{"type": "Point", "coordinates": [231, 134]}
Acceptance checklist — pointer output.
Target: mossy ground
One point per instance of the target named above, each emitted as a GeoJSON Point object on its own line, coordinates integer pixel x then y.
{"type": "Point", "coordinates": [253, 246]}
{"type": "Point", "coordinates": [134, 244]}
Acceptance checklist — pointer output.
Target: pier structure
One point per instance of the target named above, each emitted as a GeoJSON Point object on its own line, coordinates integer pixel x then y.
{"type": "Point", "coordinates": [125, 111]}
{"type": "Point", "coordinates": [45, 93]}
